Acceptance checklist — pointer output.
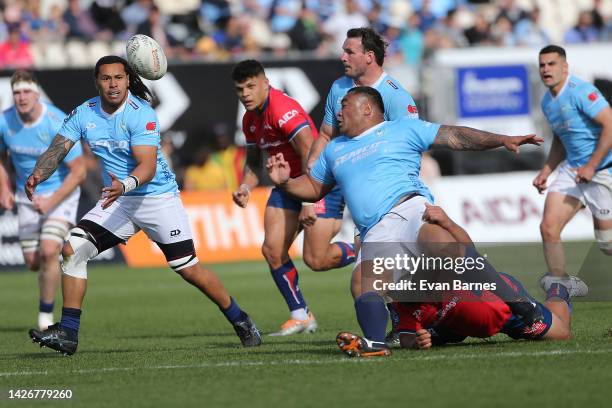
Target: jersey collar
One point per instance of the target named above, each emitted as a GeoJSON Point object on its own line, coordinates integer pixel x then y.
{"type": "Point", "coordinates": [376, 83]}
{"type": "Point", "coordinates": [119, 110]}
{"type": "Point", "coordinates": [266, 103]}
{"type": "Point", "coordinates": [367, 131]}
{"type": "Point", "coordinates": [567, 80]}
{"type": "Point", "coordinates": [43, 112]}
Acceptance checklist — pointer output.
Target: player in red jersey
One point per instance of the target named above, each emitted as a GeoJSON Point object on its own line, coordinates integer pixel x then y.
{"type": "Point", "coordinates": [276, 123]}
{"type": "Point", "coordinates": [462, 313]}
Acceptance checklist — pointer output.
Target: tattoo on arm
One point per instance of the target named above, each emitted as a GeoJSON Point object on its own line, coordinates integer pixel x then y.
{"type": "Point", "coordinates": [48, 162]}
{"type": "Point", "coordinates": [465, 138]}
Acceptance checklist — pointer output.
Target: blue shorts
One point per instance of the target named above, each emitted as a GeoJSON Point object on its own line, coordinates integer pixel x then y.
{"type": "Point", "coordinates": [330, 206]}
{"type": "Point", "coordinates": [514, 327]}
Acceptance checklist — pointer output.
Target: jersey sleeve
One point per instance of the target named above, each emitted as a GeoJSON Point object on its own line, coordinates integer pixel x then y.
{"type": "Point", "coordinates": [290, 118]}
{"type": "Point", "coordinates": [321, 171]}
{"type": "Point", "coordinates": [589, 100]}
{"type": "Point", "coordinates": [408, 323]}
{"type": "Point", "coordinates": [330, 117]}
{"type": "Point", "coordinates": [71, 128]}
{"type": "Point", "coordinates": [144, 128]}
{"type": "Point", "coordinates": [420, 134]}
{"type": "Point", "coordinates": [401, 104]}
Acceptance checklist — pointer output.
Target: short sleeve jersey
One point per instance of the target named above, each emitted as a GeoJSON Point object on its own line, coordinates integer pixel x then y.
{"type": "Point", "coordinates": [111, 137]}
{"type": "Point", "coordinates": [276, 125]}
{"type": "Point", "coordinates": [26, 143]}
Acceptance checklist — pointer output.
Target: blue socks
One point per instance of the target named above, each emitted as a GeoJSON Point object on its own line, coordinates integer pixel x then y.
{"type": "Point", "coordinates": [45, 307]}
{"type": "Point", "coordinates": [71, 320]}
{"type": "Point", "coordinates": [233, 313]}
{"type": "Point", "coordinates": [348, 253]}
{"type": "Point", "coordinates": [557, 290]}
{"type": "Point", "coordinates": [372, 316]}
{"type": "Point", "coordinates": [286, 279]}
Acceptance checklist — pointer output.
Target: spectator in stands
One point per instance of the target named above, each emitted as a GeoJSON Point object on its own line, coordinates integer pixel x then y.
{"type": "Point", "coordinates": [136, 13]}
{"type": "Point", "coordinates": [15, 51]}
{"type": "Point", "coordinates": [229, 34]}
{"type": "Point", "coordinates": [584, 31]}
{"type": "Point", "coordinates": [79, 22]}
{"type": "Point", "coordinates": [511, 11]}
{"type": "Point", "coordinates": [375, 19]}
{"type": "Point", "coordinates": [284, 14]}
{"type": "Point", "coordinates": [426, 17]}
{"type": "Point", "coordinates": [306, 33]}
{"type": "Point", "coordinates": [342, 21]}
{"type": "Point", "coordinates": [153, 26]}
{"type": "Point", "coordinates": [106, 15]}
{"type": "Point", "coordinates": [447, 33]}
{"type": "Point", "coordinates": [480, 32]}
{"type": "Point", "coordinates": [502, 33]}
{"type": "Point", "coordinates": [230, 156]}
{"type": "Point", "coordinates": [205, 173]}
{"type": "Point", "coordinates": [412, 41]}
{"type": "Point", "coordinates": [528, 30]}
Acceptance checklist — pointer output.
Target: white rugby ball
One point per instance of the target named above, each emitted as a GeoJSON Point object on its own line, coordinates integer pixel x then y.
{"type": "Point", "coordinates": [146, 57]}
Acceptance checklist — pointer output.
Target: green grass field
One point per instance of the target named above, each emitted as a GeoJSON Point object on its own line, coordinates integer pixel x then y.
{"type": "Point", "coordinates": [148, 339]}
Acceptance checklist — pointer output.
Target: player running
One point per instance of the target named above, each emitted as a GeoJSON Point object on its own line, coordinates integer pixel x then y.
{"type": "Point", "coordinates": [581, 121]}
{"type": "Point", "coordinates": [276, 123]}
{"type": "Point", "coordinates": [461, 314]}
{"type": "Point", "coordinates": [376, 165]}
{"type": "Point", "coordinates": [122, 130]}
{"type": "Point", "coordinates": [26, 130]}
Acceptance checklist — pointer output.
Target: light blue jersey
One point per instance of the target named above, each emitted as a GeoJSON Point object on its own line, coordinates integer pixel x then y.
{"type": "Point", "coordinates": [26, 143]}
{"type": "Point", "coordinates": [571, 114]}
{"type": "Point", "coordinates": [111, 137]}
{"type": "Point", "coordinates": [377, 168]}
{"type": "Point", "coordinates": [397, 101]}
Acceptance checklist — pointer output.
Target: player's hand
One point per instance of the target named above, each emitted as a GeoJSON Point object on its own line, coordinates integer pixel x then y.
{"type": "Point", "coordinates": [512, 143]}
{"type": "Point", "coordinates": [43, 205]}
{"type": "Point", "coordinates": [112, 193]}
{"type": "Point", "coordinates": [307, 216]}
{"type": "Point", "coordinates": [7, 199]}
{"type": "Point", "coordinates": [584, 174]}
{"type": "Point", "coordinates": [436, 215]}
{"type": "Point", "coordinates": [278, 169]}
{"type": "Point", "coordinates": [540, 182]}
{"type": "Point", "coordinates": [423, 339]}
{"type": "Point", "coordinates": [30, 186]}
{"type": "Point", "coordinates": [241, 196]}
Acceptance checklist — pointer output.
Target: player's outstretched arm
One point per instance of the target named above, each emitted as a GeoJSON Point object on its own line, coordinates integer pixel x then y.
{"type": "Point", "coordinates": [304, 188]}
{"type": "Point", "coordinates": [48, 162]}
{"type": "Point", "coordinates": [466, 138]}
{"type": "Point", "coordinates": [249, 178]}
{"type": "Point", "coordinates": [585, 173]}
{"type": "Point", "coordinates": [326, 133]}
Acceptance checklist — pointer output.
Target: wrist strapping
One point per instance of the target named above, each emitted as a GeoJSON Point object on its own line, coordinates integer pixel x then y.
{"type": "Point", "coordinates": [130, 183]}
{"type": "Point", "coordinates": [245, 187]}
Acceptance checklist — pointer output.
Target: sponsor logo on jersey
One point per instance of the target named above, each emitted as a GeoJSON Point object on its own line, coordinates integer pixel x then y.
{"type": "Point", "coordinates": [267, 126]}
{"type": "Point", "coordinates": [252, 128]}
{"type": "Point", "coordinates": [74, 111]}
{"type": "Point", "coordinates": [133, 104]}
{"type": "Point", "coordinates": [413, 109]}
{"type": "Point", "coordinates": [287, 117]}
{"type": "Point", "coordinates": [175, 233]}
{"type": "Point", "coordinates": [112, 144]}
{"type": "Point", "coordinates": [91, 104]}
{"type": "Point", "coordinates": [90, 125]}
{"type": "Point", "coordinates": [593, 96]}
{"type": "Point", "coordinates": [418, 314]}
{"type": "Point", "coordinates": [390, 82]}
{"type": "Point", "coordinates": [151, 125]}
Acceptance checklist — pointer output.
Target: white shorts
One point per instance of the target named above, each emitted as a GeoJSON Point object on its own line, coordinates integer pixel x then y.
{"type": "Point", "coordinates": [596, 195]}
{"type": "Point", "coordinates": [31, 222]}
{"type": "Point", "coordinates": [400, 225]}
{"type": "Point", "coordinates": [163, 217]}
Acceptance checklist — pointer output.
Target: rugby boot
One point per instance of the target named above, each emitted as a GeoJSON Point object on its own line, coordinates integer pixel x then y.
{"type": "Point", "coordinates": [247, 332]}
{"type": "Point", "coordinates": [56, 338]}
{"type": "Point", "coordinates": [575, 286]}
{"type": "Point", "coordinates": [355, 346]}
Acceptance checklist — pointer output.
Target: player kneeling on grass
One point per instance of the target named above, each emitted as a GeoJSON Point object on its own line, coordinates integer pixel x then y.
{"type": "Point", "coordinates": [462, 313]}
{"type": "Point", "coordinates": [141, 193]}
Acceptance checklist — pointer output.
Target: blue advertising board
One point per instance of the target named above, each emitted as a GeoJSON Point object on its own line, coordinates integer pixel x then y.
{"type": "Point", "coordinates": [492, 91]}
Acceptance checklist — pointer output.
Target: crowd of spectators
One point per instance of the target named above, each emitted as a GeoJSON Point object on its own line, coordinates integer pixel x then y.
{"type": "Point", "coordinates": [221, 29]}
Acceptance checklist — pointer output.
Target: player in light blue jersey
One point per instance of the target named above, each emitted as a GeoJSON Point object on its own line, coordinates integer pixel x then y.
{"type": "Point", "coordinates": [26, 130]}
{"type": "Point", "coordinates": [122, 130]}
{"type": "Point", "coordinates": [581, 121]}
{"type": "Point", "coordinates": [376, 165]}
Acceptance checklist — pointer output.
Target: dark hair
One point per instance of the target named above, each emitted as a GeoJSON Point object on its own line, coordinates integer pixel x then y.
{"type": "Point", "coordinates": [137, 87]}
{"type": "Point", "coordinates": [23, 75]}
{"type": "Point", "coordinates": [372, 94]}
{"type": "Point", "coordinates": [371, 41]}
{"type": "Point", "coordinates": [549, 49]}
{"type": "Point", "coordinates": [247, 69]}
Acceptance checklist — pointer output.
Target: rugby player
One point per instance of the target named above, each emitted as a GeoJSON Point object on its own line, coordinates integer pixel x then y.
{"type": "Point", "coordinates": [276, 123]}
{"type": "Point", "coordinates": [26, 130]}
{"type": "Point", "coordinates": [581, 121]}
{"type": "Point", "coordinates": [140, 192]}
{"type": "Point", "coordinates": [376, 165]}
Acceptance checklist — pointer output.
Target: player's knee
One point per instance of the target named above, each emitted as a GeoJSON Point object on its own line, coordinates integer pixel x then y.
{"type": "Point", "coordinates": [181, 256]}
{"type": "Point", "coordinates": [79, 249]}
{"type": "Point", "coordinates": [272, 255]}
{"type": "Point", "coordinates": [32, 262]}
{"type": "Point", "coordinates": [49, 252]}
{"type": "Point", "coordinates": [604, 241]}
{"type": "Point", "coordinates": [316, 263]}
{"type": "Point", "coordinates": [549, 230]}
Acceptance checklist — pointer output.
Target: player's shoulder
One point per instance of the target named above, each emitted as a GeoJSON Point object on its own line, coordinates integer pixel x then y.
{"type": "Point", "coordinates": [54, 113]}
{"type": "Point", "coordinates": [343, 83]}
{"type": "Point", "coordinates": [136, 104]}
{"type": "Point", "coordinates": [577, 86]}
{"type": "Point", "coordinates": [279, 101]}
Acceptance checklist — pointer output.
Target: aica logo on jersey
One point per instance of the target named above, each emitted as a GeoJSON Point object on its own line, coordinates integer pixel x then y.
{"type": "Point", "coordinates": [492, 91]}
{"type": "Point", "coordinates": [287, 117]}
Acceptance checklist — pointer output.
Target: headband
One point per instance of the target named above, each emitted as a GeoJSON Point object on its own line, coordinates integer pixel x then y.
{"type": "Point", "coordinates": [24, 86]}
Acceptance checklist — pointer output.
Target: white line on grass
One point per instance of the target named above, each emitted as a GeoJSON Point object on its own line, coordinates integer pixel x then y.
{"type": "Point", "coordinates": [310, 362]}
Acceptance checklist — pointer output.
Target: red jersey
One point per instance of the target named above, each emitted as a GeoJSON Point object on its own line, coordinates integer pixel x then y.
{"type": "Point", "coordinates": [462, 313]}
{"type": "Point", "coordinates": [273, 128]}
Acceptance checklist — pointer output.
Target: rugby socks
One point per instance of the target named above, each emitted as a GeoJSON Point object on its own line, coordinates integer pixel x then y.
{"type": "Point", "coordinates": [45, 307]}
{"type": "Point", "coordinates": [233, 313]}
{"type": "Point", "coordinates": [558, 290]}
{"type": "Point", "coordinates": [372, 316]}
{"type": "Point", "coordinates": [348, 253]}
{"type": "Point", "coordinates": [488, 274]}
{"type": "Point", "coordinates": [286, 279]}
{"type": "Point", "coordinates": [71, 321]}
